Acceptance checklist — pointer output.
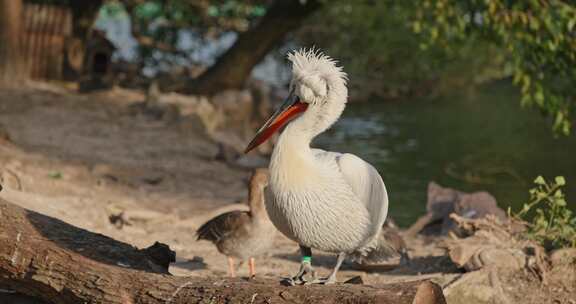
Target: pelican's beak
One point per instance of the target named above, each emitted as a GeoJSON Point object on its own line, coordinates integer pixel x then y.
{"type": "Point", "coordinates": [288, 110]}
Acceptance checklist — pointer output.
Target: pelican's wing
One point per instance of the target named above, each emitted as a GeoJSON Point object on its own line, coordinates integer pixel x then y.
{"type": "Point", "coordinates": [367, 184]}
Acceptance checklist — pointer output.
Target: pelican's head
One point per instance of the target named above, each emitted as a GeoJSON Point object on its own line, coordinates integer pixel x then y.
{"type": "Point", "coordinates": [317, 96]}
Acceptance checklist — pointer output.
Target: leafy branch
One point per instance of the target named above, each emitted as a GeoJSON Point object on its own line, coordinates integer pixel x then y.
{"type": "Point", "coordinates": [553, 224]}
{"type": "Point", "coordinates": [538, 38]}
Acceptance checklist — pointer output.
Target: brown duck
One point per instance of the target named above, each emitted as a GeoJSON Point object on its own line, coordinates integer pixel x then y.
{"type": "Point", "coordinates": [243, 234]}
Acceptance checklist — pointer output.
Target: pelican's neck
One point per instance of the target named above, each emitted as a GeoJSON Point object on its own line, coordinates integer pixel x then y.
{"type": "Point", "coordinates": [294, 140]}
{"type": "Point", "coordinates": [292, 162]}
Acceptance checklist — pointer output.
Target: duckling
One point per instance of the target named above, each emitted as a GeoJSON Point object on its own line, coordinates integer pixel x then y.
{"type": "Point", "coordinates": [243, 234]}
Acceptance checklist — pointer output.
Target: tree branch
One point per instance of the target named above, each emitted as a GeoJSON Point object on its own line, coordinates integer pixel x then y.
{"type": "Point", "coordinates": [232, 69]}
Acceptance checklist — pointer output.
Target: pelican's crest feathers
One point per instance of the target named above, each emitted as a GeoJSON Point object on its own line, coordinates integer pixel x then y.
{"type": "Point", "coordinates": [313, 61]}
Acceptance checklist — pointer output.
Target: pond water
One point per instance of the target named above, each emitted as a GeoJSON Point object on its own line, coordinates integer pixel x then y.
{"type": "Point", "coordinates": [470, 141]}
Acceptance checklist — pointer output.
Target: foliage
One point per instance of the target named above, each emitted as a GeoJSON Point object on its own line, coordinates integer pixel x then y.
{"type": "Point", "coordinates": [385, 58]}
{"type": "Point", "coordinates": [553, 224]}
{"type": "Point", "coordinates": [209, 15]}
{"type": "Point", "coordinates": [158, 25]}
{"type": "Point", "coordinates": [537, 36]}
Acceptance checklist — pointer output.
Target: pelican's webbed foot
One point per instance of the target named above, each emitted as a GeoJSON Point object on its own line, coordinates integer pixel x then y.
{"type": "Point", "coordinates": [305, 275]}
{"type": "Point", "coordinates": [331, 279]}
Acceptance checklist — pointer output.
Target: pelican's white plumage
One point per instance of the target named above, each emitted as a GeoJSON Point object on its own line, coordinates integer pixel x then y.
{"type": "Point", "coordinates": [325, 200]}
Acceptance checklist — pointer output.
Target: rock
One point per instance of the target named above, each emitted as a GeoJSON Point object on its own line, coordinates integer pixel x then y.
{"type": "Point", "coordinates": [472, 288]}
{"type": "Point", "coordinates": [197, 106]}
{"type": "Point", "coordinates": [237, 108]}
{"type": "Point", "coordinates": [161, 255]}
{"type": "Point", "coordinates": [563, 256]}
{"type": "Point", "coordinates": [226, 116]}
{"type": "Point", "coordinates": [10, 180]}
{"type": "Point", "coordinates": [229, 118]}
{"type": "Point", "coordinates": [10, 177]}
{"type": "Point", "coordinates": [478, 205]}
{"type": "Point", "coordinates": [262, 94]}
{"type": "Point", "coordinates": [502, 258]}
{"type": "Point", "coordinates": [477, 255]}
{"type": "Point", "coordinates": [488, 244]}
{"type": "Point", "coordinates": [463, 252]}
{"type": "Point", "coordinates": [443, 201]}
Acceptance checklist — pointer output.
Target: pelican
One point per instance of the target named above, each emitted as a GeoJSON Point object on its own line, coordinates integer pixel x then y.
{"type": "Point", "coordinates": [334, 202]}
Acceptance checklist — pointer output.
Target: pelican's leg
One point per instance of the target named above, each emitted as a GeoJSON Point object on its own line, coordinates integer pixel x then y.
{"type": "Point", "coordinates": [331, 279]}
{"type": "Point", "coordinates": [252, 268]}
{"type": "Point", "coordinates": [305, 268]}
{"type": "Point", "coordinates": [231, 270]}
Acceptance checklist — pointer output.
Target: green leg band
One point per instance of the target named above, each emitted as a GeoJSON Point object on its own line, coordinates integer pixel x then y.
{"type": "Point", "coordinates": [307, 259]}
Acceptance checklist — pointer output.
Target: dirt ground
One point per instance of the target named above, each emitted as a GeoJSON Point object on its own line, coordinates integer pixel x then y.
{"type": "Point", "coordinates": [84, 158]}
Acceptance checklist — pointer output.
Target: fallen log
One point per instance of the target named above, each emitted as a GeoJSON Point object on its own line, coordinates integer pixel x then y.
{"type": "Point", "coordinates": [53, 261]}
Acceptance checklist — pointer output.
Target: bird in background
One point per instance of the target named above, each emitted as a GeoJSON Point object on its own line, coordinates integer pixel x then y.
{"type": "Point", "coordinates": [243, 235]}
{"type": "Point", "coordinates": [334, 202]}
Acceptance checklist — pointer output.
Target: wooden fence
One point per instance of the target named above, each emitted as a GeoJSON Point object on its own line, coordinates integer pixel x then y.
{"type": "Point", "coordinates": [47, 29]}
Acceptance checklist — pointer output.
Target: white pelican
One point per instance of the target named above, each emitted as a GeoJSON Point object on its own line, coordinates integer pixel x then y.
{"type": "Point", "coordinates": [325, 200]}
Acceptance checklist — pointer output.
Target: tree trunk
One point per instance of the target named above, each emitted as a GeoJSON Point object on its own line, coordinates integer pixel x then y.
{"type": "Point", "coordinates": [59, 263]}
{"type": "Point", "coordinates": [233, 68]}
{"type": "Point", "coordinates": [12, 67]}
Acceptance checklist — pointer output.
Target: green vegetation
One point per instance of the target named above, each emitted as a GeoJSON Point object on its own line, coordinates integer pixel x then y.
{"type": "Point", "coordinates": [553, 225]}
{"type": "Point", "coordinates": [157, 25]}
{"type": "Point", "coordinates": [383, 56]}
{"type": "Point", "coordinates": [538, 39]}
{"type": "Point", "coordinates": [398, 48]}
{"type": "Point", "coordinates": [390, 48]}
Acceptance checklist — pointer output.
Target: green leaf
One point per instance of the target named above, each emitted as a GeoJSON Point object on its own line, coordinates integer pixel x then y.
{"type": "Point", "coordinates": [560, 181]}
{"type": "Point", "coordinates": [416, 27]}
{"type": "Point", "coordinates": [540, 180]}
{"type": "Point", "coordinates": [571, 24]}
{"type": "Point", "coordinates": [539, 97]}
{"type": "Point", "coordinates": [558, 193]}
